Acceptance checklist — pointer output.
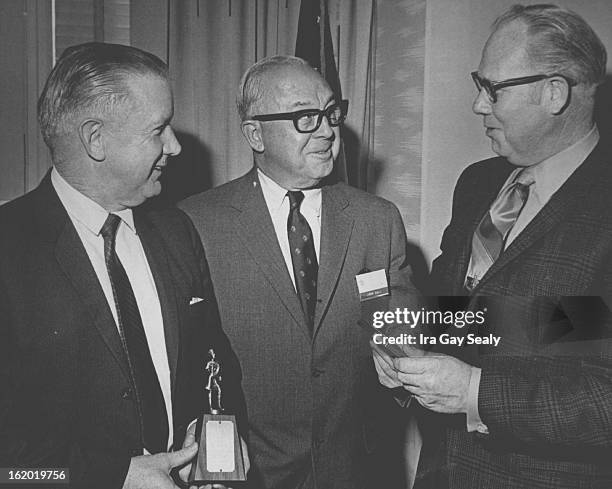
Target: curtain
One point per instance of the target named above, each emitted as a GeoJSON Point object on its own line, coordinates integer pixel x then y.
{"type": "Point", "coordinates": [208, 45]}
{"type": "Point", "coordinates": [353, 28]}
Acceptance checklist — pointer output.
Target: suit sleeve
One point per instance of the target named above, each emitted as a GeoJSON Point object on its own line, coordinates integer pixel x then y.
{"type": "Point", "coordinates": [542, 402]}
{"type": "Point", "coordinates": [562, 397]}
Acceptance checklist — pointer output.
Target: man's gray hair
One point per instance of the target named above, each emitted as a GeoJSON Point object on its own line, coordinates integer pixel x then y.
{"type": "Point", "coordinates": [90, 79]}
{"type": "Point", "coordinates": [252, 86]}
{"type": "Point", "coordinates": [560, 41]}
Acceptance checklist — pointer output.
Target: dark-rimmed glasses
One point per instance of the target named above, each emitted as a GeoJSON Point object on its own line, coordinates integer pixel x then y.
{"type": "Point", "coordinates": [491, 87]}
{"type": "Point", "coordinates": [309, 120]}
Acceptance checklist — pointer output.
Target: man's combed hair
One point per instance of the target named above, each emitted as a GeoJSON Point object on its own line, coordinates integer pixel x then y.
{"type": "Point", "coordinates": [251, 88]}
{"type": "Point", "coordinates": [90, 79]}
{"type": "Point", "coordinates": [560, 41]}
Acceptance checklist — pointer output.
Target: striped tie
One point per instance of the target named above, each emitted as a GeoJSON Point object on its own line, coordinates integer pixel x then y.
{"type": "Point", "coordinates": [149, 397]}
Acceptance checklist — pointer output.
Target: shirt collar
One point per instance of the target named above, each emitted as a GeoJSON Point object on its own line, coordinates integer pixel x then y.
{"type": "Point", "coordinates": [80, 207]}
{"type": "Point", "coordinates": [551, 173]}
{"type": "Point", "coordinates": [275, 195]}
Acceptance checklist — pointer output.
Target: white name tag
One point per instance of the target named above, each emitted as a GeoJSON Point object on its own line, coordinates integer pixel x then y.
{"type": "Point", "coordinates": [372, 284]}
{"type": "Point", "coordinates": [220, 446]}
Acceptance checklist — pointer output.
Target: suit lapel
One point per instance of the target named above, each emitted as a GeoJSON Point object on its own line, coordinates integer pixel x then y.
{"type": "Point", "coordinates": [569, 198]}
{"type": "Point", "coordinates": [336, 229]}
{"type": "Point", "coordinates": [74, 262]}
{"type": "Point", "coordinates": [257, 233]}
{"type": "Point", "coordinates": [158, 263]}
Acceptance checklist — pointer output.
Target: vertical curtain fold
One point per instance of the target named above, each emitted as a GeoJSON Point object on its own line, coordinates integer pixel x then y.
{"type": "Point", "coordinates": [210, 43]}
{"type": "Point", "coordinates": [353, 26]}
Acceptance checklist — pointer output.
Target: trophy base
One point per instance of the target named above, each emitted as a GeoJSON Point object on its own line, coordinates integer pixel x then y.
{"type": "Point", "coordinates": [220, 457]}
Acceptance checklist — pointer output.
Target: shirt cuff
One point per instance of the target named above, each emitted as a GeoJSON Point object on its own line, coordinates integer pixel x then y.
{"type": "Point", "coordinates": [474, 423]}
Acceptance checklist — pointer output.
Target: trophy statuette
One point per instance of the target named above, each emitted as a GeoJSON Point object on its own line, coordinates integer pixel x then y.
{"type": "Point", "coordinates": [219, 456]}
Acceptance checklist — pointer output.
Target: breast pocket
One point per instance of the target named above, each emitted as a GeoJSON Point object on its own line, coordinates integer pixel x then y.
{"type": "Point", "coordinates": [196, 311]}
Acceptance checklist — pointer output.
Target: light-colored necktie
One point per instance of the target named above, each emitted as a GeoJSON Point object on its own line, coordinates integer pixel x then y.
{"type": "Point", "coordinates": [490, 235]}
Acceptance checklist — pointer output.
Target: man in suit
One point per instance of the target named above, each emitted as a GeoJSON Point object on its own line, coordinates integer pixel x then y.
{"type": "Point", "coordinates": [530, 246]}
{"type": "Point", "coordinates": [284, 246]}
{"type": "Point", "coordinates": [107, 310]}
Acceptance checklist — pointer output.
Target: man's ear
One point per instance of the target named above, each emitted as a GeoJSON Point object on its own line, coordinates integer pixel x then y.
{"type": "Point", "coordinates": [252, 132]}
{"type": "Point", "coordinates": [557, 94]}
{"type": "Point", "coordinates": [90, 133]}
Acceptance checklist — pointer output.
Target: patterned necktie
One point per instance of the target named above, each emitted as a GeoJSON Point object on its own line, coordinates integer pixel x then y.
{"type": "Point", "coordinates": [149, 397]}
{"type": "Point", "coordinates": [305, 266]}
{"type": "Point", "coordinates": [490, 235]}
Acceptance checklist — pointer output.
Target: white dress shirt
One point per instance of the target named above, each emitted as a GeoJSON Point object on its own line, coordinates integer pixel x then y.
{"type": "Point", "coordinates": [549, 176]}
{"type": "Point", "coordinates": [277, 202]}
{"type": "Point", "coordinates": [88, 218]}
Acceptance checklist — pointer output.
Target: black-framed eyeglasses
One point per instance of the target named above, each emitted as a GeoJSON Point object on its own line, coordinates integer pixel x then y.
{"type": "Point", "coordinates": [491, 87]}
{"type": "Point", "coordinates": [309, 120]}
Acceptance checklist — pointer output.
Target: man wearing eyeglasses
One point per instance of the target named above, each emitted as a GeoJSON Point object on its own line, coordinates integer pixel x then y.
{"type": "Point", "coordinates": [530, 246]}
{"type": "Point", "coordinates": [284, 245]}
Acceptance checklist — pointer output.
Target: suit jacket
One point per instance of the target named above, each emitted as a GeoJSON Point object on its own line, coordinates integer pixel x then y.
{"type": "Point", "coordinates": [546, 390]}
{"type": "Point", "coordinates": [65, 399]}
{"type": "Point", "coordinates": [307, 398]}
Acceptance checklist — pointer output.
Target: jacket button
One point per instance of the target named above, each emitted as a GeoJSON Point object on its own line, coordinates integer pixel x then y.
{"type": "Point", "coordinates": [126, 393]}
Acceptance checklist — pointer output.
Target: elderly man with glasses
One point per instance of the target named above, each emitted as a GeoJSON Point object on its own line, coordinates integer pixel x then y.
{"type": "Point", "coordinates": [529, 245]}
{"type": "Point", "coordinates": [284, 244]}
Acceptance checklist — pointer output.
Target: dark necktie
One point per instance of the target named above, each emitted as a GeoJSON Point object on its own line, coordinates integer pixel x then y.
{"type": "Point", "coordinates": [305, 266]}
{"type": "Point", "coordinates": [149, 397]}
{"type": "Point", "coordinates": [490, 235]}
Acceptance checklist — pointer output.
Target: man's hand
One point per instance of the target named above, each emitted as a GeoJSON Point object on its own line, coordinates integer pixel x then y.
{"type": "Point", "coordinates": [387, 375]}
{"type": "Point", "coordinates": [153, 471]}
{"type": "Point", "coordinates": [188, 442]}
{"type": "Point", "coordinates": [438, 382]}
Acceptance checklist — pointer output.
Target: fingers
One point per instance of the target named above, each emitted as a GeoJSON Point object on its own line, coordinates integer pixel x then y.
{"type": "Point", "coordinates": [417, 373]}
{"type": "Point", "coordinates": [381, 353]}
{"type": "Point", "coordinates": [386, 374]}
{"type": "Point", "coordinates": [184, 472]}
{"type": "Point", "coordinates": [190, 438]}
{"type": "Point", "coordinates": [417, 365]}
{"type": "Point", "coordinates": [383, 366]}
{"type": "Point", "coordinates": [182, 456]}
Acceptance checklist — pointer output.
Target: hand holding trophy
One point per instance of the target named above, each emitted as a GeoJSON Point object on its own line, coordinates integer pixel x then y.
{"type": "Point", "coordinates": [220, 457]}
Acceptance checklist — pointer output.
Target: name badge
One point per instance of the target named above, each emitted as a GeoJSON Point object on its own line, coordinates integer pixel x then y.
{"type": "Point", "coordinates": [372, 284]}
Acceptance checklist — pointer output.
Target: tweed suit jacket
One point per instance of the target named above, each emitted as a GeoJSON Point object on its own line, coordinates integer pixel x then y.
{"type": "Point", "coordinates": [307, 397]}
{"type": "Point", "coordinates": [546, 390]}
{"type": "Point", "coordinates": [65, 392]}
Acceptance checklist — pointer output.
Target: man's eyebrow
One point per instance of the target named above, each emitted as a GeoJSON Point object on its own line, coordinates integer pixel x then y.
{"type": "Point", "coordinates": [300, 103]}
